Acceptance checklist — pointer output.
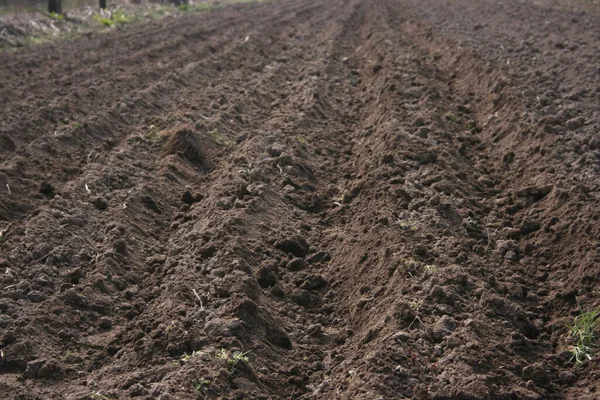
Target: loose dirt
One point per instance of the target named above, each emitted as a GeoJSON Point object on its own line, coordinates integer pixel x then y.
{"type": "Point", "coordinates": [345, 199]}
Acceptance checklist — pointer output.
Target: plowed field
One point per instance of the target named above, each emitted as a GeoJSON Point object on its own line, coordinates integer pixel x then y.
{"type": "Point", "coordinates": [309, 199]}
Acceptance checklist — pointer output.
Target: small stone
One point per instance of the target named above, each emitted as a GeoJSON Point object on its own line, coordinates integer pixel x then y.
{"type": "Point", "coordinates": [423, 132]}
{"type": "Point", "coordinates": [73, 298]}
{"type": "Point", "coordinates": [266, 277]}
{"type": "Point", "coordinates": [36, 296]}
{"type": "Point", "coordinates": [437, 292]}
{"type": "Point", "coordinates": [442, 328]}
{"type": "Point", "coordinates": [301, 297]}
{"type": "Point", "coordinates": [444, 309]}
{"type": "Point", "coordinates": [297, 264]}
{"type": "Point", "coordinates": [529, 226]}
{"type": "Point", "coordinates": [425, 157]}
{"type": "Point", "coordinates": [511, 255]}
{"type": "Point", "coordinates": [137, 389]}
{"type": "Point", "coordinates": [100, 203]}
{"type": "Point", "coordinates": [42, 369]}
{"type": "Point", "coordinates": [414, 92]}
{"type": "Point", "coordinates": [321, 256]}
{"type": "Point", "coordinates": [567, 377]}
{"type": "Point", "coordinates": [295, 245]}
{"type": "Point", "coordinates": [239, 203]}
{"type": "Point", "coordinates": [575, 123]}
{"type": "Point", "coordinates": [104, 323]}
{"type": "Point", "coordinates": [322, 388]}
{"type": "Point", "coordinates": [187, 197]}
{"type": "Point", "coordinates": [158, 259]}
{"type": "Point", "coordinates": [120, 246]}
{"type": "Point", "coordinates": [387, 159]}
{"type": "Point", "coordinates": [275, 150]}
{"type": "Point", "coordinates": [47, 189]}
{"type": "Point", "coordinates": [225, 203]}
{"type": "Point", "coordinates": [314, 282]}
{"type": "Point", "coordinates": [401, 336]}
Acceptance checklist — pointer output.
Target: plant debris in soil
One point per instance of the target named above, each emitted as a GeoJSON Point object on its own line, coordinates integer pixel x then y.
{"type": "Point", "coordinates": [345, 199]}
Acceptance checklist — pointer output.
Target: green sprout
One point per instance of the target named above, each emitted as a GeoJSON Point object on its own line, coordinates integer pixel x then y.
{"type": "Point", "coordinates": [201, 385]}
{"type": "Point", "coordinates": [56, 16]}
{"type": "Point", "coordinates": [450, 117]}
{"type": "Point", "coordinates": [583, 332]}
{"type": "Point", "coordinates": [186, 357]}
{"type": "Point", "coordinates": [232, 360]}
{"type": "Point", "coordinates": [117, 17]}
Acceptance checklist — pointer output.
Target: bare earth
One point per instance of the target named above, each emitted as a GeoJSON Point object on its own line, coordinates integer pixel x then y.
{"type": "Point", "coordinates": [370, 199]}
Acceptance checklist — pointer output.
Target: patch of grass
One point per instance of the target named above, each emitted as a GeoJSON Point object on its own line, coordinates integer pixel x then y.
{"type": "Point", "coordinates": [583, 333]}
{"type": "Point", "coordinates": [65, 356]}
{"type": "Point", "coordinates": [302, 139]}
{"type": "Point", "coordinates": [232, 360]}
{"type": "Point", "coordinates": [220, 139]}
{"type": "Point", "coordinates": [104, 21]}
{"type": "Point", "coordinates": [196, 7]}
{"type": "Point", "coordinates": [115, 18]}
{"type": "Point", "coordinates": [429, 269]}
{"type": "Point", "coordinates": [56, 16]}
{"type": "Point", "coordinates": [407, 225]}
{"type": "Point", "coordinates": [160, 11]}
{"type": "Point", "coordinates": [187, 357]}
{"type": "Point", "coordinates": [75, 125]}
{"type": "Point", "coordinates": [450, 117]}
{"type": "Point", "coordinates": [154, 135]}
{"type": "Point", "coordinates": [35, 39]}
{"type": "Point", "coordinates": [201, 385]}
{"type": "Point", "coordinates": [120, 17]}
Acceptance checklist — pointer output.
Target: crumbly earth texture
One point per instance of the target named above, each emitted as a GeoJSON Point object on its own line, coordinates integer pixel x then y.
{"type": "Point", "coordinates": [307, 199]}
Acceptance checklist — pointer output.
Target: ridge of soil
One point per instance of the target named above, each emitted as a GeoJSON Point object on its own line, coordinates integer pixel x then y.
{"type": "Point", "coordinates": [392, 199]}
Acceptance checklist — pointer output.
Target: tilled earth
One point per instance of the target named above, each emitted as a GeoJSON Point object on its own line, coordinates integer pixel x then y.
{"type": "Point", "coordinates": [369, 199]}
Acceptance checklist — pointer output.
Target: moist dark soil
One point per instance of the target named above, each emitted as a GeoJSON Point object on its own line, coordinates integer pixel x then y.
{"type": "Point", "coordinates": [309, 199]}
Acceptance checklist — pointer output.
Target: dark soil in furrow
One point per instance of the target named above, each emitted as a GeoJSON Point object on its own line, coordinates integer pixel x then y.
{"type": "Point", "coordinates": [346, 199]}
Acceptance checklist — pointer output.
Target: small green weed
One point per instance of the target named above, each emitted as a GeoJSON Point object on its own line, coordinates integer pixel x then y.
{"type": "Point", "coordinates": [583, 332]}
{"type": "Point", "coordinates": [302, 139]}
{"type": "Point", "coordinates": [407, 225]}
{"type": "Point", "coordinates": [104, 21]}
{"type": "Point", "coordinates": [197, 7]}
{"type": "Point", "coordinates": [232, 360]}
{"type": "Point", "coordinates": [220, 139]}
{"type": "Point", "coordinates": [450, 117]}
{"type": "Point", "coordinates": [120, 17]}
{"type": "Point", "coordinates": [154, 135]}
{"type": "Point", "coordinates": [35, 39]}
{"type": "Point", "coordinates": [116, 17]}
{"type": "Point", "coordinates": [56, 16]}
{"type": "Point", "coordinates": [429, 269]}
{"type": "Point", "coordinates": [187, 357]}
{"type": "Point", "coordinates": [201, 385]}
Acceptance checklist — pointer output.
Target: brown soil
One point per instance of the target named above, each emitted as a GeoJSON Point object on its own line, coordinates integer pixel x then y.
{"type": "Point", "coordinates": [377, 199]}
